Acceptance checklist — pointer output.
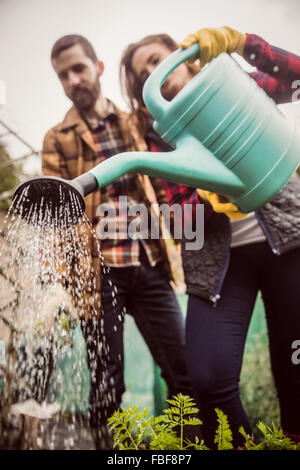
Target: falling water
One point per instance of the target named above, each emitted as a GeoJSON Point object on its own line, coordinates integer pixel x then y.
{"type": "Point", "coordinates": [46, 353]}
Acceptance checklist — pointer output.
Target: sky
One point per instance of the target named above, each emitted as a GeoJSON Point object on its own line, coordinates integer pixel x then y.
{"type": "Point", "coordinates": [35, 100]}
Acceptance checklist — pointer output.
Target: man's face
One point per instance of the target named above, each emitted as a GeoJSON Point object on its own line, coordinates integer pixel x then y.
{"type": "Point", "coordinates": [146, 58]}
{"type": "Point", "coordinates": [79, 76]}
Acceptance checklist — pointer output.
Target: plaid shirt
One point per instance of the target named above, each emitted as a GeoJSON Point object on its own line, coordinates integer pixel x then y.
{"type": "Point", "coordinates": [277, 69]}
{"type": "Point", "coordinates": [118, 248]}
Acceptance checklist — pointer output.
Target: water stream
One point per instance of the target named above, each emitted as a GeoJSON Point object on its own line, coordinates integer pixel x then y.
{"type": "Point", "coordinates": [48, 283]}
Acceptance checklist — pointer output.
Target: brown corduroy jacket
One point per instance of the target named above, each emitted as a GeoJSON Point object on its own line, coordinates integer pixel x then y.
{"type": "Point", "coordinates": [69, 151]}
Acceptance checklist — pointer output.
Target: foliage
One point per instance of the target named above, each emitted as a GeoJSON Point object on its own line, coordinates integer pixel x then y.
{"type": "Point", "coordinates": [9, 178]}
{"type": "Point", "coordinates": [258, 393]}
{"type": "Point", "coordinates": [180, 414]}
{"type": "Point", "coordinates": [273, 439]}
{"type": "Point", "coordinates": [134, 429]}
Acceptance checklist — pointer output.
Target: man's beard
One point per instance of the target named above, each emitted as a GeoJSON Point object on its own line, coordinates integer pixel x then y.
{"type": "Point", "coordinates": [84, 98]}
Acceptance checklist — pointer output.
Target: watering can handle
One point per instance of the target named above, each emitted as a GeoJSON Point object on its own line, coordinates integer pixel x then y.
{"type": "Point", "coordinates": [152, 96]}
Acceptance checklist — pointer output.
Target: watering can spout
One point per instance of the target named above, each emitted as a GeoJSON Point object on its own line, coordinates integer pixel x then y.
{"type": "Point", "coordinates": [190, 164]}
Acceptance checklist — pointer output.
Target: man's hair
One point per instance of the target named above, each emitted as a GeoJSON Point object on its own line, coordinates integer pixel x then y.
{"type": "Point", "coordinates": [71, 40]}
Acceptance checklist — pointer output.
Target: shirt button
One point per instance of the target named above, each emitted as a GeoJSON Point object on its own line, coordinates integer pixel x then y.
{"type": "Point", "coordinates": [252, 56]}
{"type": "Point", "coordinates": [275, 68]}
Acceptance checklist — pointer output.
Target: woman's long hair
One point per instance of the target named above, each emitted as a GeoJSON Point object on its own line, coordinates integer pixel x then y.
{"type": "Point", "coordinates": [132, 87]}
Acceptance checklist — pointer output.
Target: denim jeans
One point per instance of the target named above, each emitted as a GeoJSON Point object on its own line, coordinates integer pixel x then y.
{"type": "Point", "coordinates": [216, 337]}
{"type": "Point", "coordinates": [145, 293]}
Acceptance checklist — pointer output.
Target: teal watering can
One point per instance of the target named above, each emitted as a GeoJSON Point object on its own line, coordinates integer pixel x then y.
{"type": "Point", "coordinates": [228, 137]}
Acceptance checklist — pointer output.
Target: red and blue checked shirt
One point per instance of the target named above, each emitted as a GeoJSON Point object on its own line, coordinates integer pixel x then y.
{"type": "Point", "coordinates": [118, 248]}
{"type": "Point", "coordinates": [277, 71]}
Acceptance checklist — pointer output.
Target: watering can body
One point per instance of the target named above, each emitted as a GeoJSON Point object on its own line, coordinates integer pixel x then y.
{"type": "Point", "coordinates": [228, 136]}
{"type": "Point", "coordinates": [224, 110]}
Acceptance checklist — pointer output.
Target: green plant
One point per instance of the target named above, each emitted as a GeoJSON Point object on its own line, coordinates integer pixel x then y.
{"type": "Point", "coordinates": [134, 429]}
{"type": "Point", "coordinates": [10, 172]}
{"type": "Point", "coordinates": [223, 436]}
{"type": "Point", "coordinates": [258, 392]}
{"type": "Point", "coordinates": [273, 439]}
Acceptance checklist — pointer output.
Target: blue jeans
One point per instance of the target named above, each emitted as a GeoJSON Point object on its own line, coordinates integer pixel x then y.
{"type": "Point", "coordinates": [146, 294]}
{"type": "Point", "coordinates": [216, 337]}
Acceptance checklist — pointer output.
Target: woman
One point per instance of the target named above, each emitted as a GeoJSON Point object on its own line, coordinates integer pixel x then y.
{"type": "Point", "coordinates": [241, 255]}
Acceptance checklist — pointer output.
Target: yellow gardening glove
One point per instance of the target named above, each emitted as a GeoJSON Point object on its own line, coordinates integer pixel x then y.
{"type": "Point", "coordinates": [214, 41]}
{"type": "Point", "coordinates": [219, 204]}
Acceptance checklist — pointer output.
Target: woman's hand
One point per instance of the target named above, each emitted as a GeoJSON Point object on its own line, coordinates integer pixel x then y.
{"type": "Point", "coordinates": [220, 204]}
{"type": "Point", "coordinates": [214, 41]}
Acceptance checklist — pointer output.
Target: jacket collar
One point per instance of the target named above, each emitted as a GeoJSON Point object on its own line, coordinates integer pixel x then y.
{"type": "Point", "coordinates": [74, 120]}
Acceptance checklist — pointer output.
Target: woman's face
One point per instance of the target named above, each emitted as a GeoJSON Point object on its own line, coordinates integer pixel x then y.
{"type": "Point", "coordinates": [146, 58]}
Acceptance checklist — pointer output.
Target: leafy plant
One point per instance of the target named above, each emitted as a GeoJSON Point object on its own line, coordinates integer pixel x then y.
{"type": "Point", "coordinates": [9, 178]}
{"type": "Point", "coordinates": [223, 436]}
{"type": "Point", "coordinates": [180, 414]}
{"type": "Point", "coordinates": [258, 392]}
{"type": "Point", "coordinates": [275, 439]}
{"type": "Point", "coordinates": [134, 429]}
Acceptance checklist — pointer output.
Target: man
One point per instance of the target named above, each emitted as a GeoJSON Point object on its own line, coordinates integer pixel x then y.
{"type": "Point", "coordinates": [139, 269]}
